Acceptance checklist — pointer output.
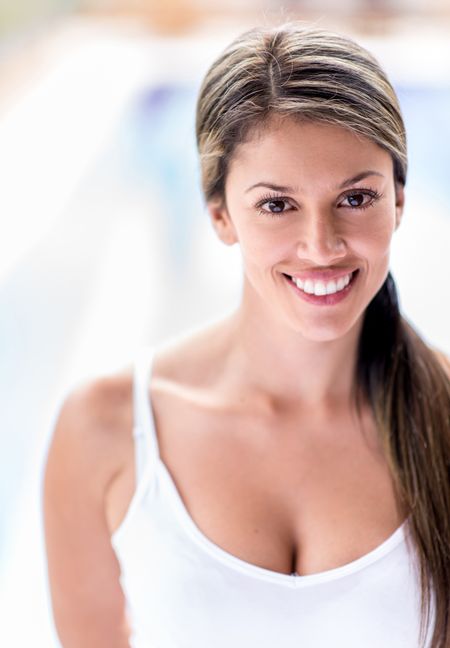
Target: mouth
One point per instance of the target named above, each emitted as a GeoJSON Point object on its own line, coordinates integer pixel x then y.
{"type": "Point", "coordinates": [323, 293]}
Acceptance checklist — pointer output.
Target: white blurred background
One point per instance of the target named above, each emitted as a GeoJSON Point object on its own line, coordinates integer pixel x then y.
{"type": "Point", "coordinates": [104, 241]}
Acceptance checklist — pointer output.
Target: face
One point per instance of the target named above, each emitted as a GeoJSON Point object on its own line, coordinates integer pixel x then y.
{"type": "Point", "coordinates": [316, 203]}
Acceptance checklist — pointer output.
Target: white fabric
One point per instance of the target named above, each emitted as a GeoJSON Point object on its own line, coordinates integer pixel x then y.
{"type": "Point", "coordinates": [184, 591]}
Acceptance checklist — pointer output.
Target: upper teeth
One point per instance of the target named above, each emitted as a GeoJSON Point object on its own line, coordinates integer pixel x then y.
{"type": "Point", "coordinates": [320, 287]}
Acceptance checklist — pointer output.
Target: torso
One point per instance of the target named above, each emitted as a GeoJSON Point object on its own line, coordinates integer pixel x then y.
{"type": "Point", "coordinates": [284, 489]}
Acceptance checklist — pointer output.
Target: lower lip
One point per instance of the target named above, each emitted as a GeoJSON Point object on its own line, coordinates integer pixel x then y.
{"type": "Point", "coordinates": [325, 300]}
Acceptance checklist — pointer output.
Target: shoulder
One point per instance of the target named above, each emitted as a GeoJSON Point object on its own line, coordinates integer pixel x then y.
{"type": "Point", "coordinates": [93, 429]}
{"type": "Point", "coordinates": [85, 455]}
{"type": "Point", "coordinates": [194, 357]}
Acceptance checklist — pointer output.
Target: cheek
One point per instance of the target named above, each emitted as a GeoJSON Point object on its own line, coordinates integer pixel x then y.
{"type": "Point", "coordinates": [264, 246]}
{"type": "Point", "coordinates": [376, 238]}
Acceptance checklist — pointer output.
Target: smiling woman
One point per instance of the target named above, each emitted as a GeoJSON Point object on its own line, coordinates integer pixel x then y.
{"type": "Point", "coordinates": [315, 225]}
{"type": "Point", "coordinates": [280, 477]}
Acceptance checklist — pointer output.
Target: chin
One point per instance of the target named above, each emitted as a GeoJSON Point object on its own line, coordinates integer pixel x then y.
{"type": "Point", "coordinates": [326, 332]}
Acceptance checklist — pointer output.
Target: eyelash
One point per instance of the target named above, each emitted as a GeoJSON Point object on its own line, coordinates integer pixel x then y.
{"type": "Point", "coordinates": [373, 193]}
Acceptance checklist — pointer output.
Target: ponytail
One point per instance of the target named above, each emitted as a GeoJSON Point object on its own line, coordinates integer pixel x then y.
{"type": "Point", "coordinates": [408, 391]}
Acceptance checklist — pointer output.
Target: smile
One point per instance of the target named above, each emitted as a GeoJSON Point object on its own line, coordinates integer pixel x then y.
{"type": "Point", "coordinates": [324, 293]}
{"type": "Point", "coordinates": [320, 287]}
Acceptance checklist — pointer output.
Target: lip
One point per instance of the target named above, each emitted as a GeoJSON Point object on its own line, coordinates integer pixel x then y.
{"type": "Point", "coordinates": [323, 275]}
{"type": "Point", "coordinates": [324, 300]}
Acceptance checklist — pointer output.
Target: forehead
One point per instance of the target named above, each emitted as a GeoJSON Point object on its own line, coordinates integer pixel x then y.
{"type": "Point", "coordinates": [300, 152]}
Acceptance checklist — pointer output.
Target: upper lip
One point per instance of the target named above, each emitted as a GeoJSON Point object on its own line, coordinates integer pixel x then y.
{"type": "Point", "coordinates": [323, 275]}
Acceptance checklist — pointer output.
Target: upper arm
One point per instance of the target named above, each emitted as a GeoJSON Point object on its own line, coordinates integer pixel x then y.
{"type": "Point", "coordinates": [87, 600]}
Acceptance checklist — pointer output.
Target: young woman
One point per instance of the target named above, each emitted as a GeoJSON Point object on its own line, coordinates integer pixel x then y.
{"type": "Point", "coordinates": [282, 476]}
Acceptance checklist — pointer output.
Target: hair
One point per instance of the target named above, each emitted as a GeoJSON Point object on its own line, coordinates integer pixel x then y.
{"type": "Point", "coordinates": [316, 75]}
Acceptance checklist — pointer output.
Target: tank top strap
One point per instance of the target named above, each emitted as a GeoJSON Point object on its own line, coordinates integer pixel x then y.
{"type": "Point", "coordinates": [144, 429]}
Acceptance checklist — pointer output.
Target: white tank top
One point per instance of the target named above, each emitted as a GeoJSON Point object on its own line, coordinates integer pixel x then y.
{"type": "Point", "coordinates": [184, 591]}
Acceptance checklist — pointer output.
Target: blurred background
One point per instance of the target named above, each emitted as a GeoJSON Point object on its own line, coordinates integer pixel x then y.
{"type": "Point", "coordinates": [104, 242]}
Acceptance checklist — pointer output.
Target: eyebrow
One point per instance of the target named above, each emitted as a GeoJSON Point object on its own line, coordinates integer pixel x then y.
{"type": "Point", "coordinates": [358, 177]}
{"type": "Point", "coordinates": [287, 189]}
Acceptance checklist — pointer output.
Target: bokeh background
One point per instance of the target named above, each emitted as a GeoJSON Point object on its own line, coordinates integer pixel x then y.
{"type": "Point", "coordinates": [105, 244]}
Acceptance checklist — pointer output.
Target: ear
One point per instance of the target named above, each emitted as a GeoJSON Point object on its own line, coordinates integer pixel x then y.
{"type": "Point", "coordinates": [222, 222]}
{"type": "Point", "coordinates": [399, 203]}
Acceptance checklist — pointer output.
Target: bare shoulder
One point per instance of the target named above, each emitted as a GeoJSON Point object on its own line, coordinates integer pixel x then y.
{"type": "Point", "coordinates": [86, 453]}
{"type": "Point", "coordinates": [93, 428]}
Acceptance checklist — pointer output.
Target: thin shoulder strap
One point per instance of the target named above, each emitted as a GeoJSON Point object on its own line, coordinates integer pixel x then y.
{"type": "Point", "coordinates": [144, 429]}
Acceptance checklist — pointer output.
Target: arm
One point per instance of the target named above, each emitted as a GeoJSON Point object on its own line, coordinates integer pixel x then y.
{"type": "Point", "coordinates": [83, 458]}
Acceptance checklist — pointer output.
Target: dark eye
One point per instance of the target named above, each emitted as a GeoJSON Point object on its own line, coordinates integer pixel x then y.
{"type": "Point", "coordinates": [276, 206]}
{"type": "Point", "coordinates": [361, 199]}
{"type": "Point", "coordinates": [273, 206]}
{"type": "Point", "coordinates": [356, 200]}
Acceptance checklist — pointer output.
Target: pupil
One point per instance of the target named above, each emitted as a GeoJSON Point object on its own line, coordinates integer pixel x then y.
{"type": "Point", "coordinates": [356, 200]}
{"type": "Point", "coordinates": [276, 205]}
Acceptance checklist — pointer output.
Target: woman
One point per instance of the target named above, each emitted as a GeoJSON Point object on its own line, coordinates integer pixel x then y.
{"type": "Point", "coordinates": [287, 479]}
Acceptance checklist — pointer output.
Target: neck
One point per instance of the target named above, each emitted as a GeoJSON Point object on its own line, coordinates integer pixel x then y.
{"type": "Point", "coordinates": [267, 358]}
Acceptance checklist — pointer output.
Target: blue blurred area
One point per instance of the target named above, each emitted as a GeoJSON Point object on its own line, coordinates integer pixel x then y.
{"type": "Point", "coordinates": [42, 305]}
{"type": "Point", "coordinates": [160, 144]}
{"type": "Point", "coordinates": [426, 112]}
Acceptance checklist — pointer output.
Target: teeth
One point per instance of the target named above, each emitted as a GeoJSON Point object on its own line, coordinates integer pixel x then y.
{"type": "Point", "coordinates": [309, 286]}
{"type": "Point", "coordinates": [320, 288]}
{"type": "Point", "coordinates": [331, 287]}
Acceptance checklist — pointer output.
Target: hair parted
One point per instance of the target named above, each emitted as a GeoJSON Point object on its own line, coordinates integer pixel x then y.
{"type": "Point", "coordinates": [313, 74]}
{"type": "Point", "coordinates": [309, 74]}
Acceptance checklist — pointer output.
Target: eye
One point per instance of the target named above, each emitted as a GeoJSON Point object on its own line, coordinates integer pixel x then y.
{"type": "Point", "coordinates": [361, 198]}
{"type": "Point", "coordinates": [273, 205]}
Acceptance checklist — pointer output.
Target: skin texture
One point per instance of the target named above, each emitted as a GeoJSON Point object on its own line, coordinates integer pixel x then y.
{"type": "Point", "coordinates": [318, 229]}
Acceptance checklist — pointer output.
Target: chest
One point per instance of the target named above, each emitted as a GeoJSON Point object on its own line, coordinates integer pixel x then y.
{"type": "Point", "coordinates": [290, 494]}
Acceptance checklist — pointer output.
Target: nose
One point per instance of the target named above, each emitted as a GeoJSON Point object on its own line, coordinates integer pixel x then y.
{"type": "Point", "coordinates": [319, 239]}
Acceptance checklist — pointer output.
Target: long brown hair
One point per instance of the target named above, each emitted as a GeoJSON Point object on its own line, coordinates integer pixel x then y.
{"type": "Point", "coordinates": [318, 75]}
